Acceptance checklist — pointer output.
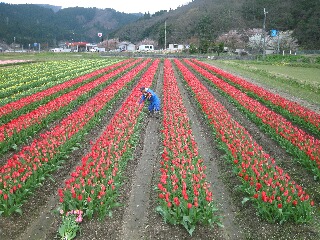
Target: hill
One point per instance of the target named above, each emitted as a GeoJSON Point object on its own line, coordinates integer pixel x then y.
{"type": "Point", "coordinates": [207, 19]}
{"type": "Point", "coordinates": [29, 23]}
{"type": "Point", "coordinates": [192, 23]}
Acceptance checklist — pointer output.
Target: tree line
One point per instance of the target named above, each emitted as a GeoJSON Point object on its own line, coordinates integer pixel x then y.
{"type": "Point", "coordinates": [200, 23]}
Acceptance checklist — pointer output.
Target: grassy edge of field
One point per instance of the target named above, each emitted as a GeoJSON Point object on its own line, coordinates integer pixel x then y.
{"type": "Point", "coordinates": [265, 80]}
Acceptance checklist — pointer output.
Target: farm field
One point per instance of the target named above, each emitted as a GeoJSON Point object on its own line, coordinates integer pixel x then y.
{"type": "Point", "coordinates": [297, 72]}
{"type": "Point", "coordinates": [229, 157]}
{"type": "Point", "coordinates": [298, 83]}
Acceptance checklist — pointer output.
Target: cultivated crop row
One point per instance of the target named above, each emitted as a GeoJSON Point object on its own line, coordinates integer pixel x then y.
{"type": "Point", "coordinates": [276, 196]}
{"type": "Point", "coordinates": [93, 187]}
{"type": "Point", "coordinates": [185, 196]}
{"type": "Point", "coordinates": [27, 124]}
{"type": "Point", "coordinates": [73, 106]}
{"type": "Point", "coordinates": [27, 169]}
{"type": "Point", "coordinates": [293, 110]}
{"type": "Point", "coordinates": [305, 147]}
{"type": "Point", "coordinates": [25, 80]}
{"type": "Point", "coordinates": [38, 96]}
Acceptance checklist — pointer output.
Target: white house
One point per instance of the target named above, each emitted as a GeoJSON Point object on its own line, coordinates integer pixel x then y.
{"type": "Point", "coordinates": [131, 47]}
{"type": "Point", "coordinates": [175, 47]}
{"type": "Point", "coordinates": [126, 46]}
{"type": "Point", "coordinates": [92, 47]}
{"type": "Point", "coordinates": [146, 48]}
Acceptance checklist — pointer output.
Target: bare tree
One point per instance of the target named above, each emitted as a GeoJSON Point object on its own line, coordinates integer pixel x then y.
{"type": "Point", "coordinates": [285, 41]}
{"type": "Point", "coordinates": [233, 39]}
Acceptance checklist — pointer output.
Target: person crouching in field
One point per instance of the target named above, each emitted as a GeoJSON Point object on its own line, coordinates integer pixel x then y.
{"type": "Point", "coordinates": [154, 101]}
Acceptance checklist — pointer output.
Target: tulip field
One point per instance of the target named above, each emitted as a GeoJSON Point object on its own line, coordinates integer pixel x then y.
{"type": "Point", "coordinates": [81, 158]}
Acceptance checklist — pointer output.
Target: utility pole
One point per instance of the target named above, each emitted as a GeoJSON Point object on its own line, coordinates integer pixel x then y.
{"type": "Point", "coordinates": [165, 35]}
{"type": "Point", "coordinates": [264, 33]}
{"type": "Point", "coordinates": [278, 43]}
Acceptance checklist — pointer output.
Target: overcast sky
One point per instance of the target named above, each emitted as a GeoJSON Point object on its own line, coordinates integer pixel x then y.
{"type": "Point", "coordinates": [127, 6]}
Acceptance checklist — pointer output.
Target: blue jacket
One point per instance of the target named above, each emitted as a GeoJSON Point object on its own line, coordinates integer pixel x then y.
{"type": "Point", "coordinates": [152, 97]}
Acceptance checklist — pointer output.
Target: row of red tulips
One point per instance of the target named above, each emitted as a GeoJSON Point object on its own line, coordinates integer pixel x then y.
{"type": "Point", "coordinates": [293, 107]}
{"type": "Point", "coordinates": [22, 81]}
{"type": "Point", "coordinates": [278, 125]}
{"type": "Point", "coordinates": [18, 104]}
{"type": "Point", "coordinates": [185, 196]}
{"type": "Point", "coordinates": [32, 121]}
{"type": "Point", "coordinates": [27, 169]}
{"type": "Point", "coordinates": [276, 197]}
{"type": "Point", "coordinates": [93, 186]}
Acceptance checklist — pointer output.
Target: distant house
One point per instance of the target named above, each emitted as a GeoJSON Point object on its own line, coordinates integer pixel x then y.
{"type": "Point", "coordinates": [77, 46]}
{"type": "Point", "coordinates": [131, 47]}
{"type": "Point", "coordinates": [126, 46]}
{"type": "Point", "coordinates": [146, 48]}
{"type": "Point", "coordinates": [175, 47]}
{"type": "Point", "coordinates": [92, 47]}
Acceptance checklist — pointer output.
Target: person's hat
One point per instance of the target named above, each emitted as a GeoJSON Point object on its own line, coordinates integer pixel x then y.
{"type": "Point", "coordinates": [142, 88]}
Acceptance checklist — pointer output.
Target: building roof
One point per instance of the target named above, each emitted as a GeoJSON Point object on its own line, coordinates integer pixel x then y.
{"type": "Point", "coordinates": [83, 44]}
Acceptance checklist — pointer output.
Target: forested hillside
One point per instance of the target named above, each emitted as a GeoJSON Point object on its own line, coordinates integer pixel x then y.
{"type": "Point", "coordinates": [207, 19]}
{"type": "Point", "coordinates": [200, 20]}
{"type": "Point", "coordinates": [29, 23]}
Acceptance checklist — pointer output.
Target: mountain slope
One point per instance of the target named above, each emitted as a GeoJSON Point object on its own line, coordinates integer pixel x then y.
{"type": "Point", "coordinates": [199, 20]}
{"type": "Point", "coordinates": [29, 23]}
{"type": "Point", "coordinates": [211, 18]}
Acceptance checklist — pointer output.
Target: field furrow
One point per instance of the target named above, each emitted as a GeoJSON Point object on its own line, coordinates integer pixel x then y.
{"type": "Point", "coordinates": [217, 162]}
{"type": "Point", "coordinates": [25, 170]}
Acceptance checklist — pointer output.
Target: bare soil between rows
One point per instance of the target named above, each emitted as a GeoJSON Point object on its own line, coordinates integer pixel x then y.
{"type": "Point", "coordinates": [136, 218]}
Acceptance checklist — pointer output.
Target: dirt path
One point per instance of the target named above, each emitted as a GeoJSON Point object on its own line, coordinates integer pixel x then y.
{"type": "Point", "coordinates": [135, 216]}
{"type": "Point", "coordinates": [210, 154]}
{"type": "Point", "coordinates": [154, 227]}
{"type": "Point", "coordinates": [270, 146]}
{"type": "Point", "coordinates": [38, 220]}
{"type": "Point", "coordinates": [37, 228]}
{"type": "Point", "coordinates": [246, 218]}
